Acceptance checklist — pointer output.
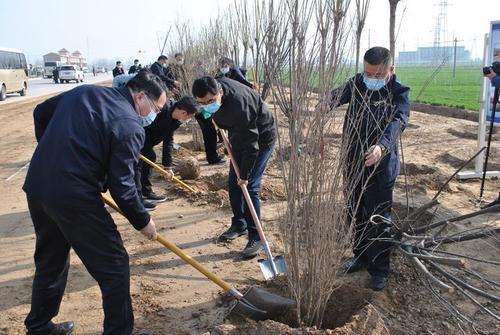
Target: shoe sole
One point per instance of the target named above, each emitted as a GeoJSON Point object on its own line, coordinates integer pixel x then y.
{"type": "Point", "coordinates": [251, 255]}
{"type": "Point", "coordinates": [156, 201]}
{"type": "Point", "coordinates": [227, 239]}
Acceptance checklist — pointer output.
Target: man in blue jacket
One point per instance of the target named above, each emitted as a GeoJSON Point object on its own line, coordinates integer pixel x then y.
{"type": "Point", "coordinates": [378, 112]}
{"type": "Point", "coordinates": [89, 140]}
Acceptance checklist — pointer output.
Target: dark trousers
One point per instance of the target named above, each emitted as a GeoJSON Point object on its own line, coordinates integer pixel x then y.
{"type": "Point", "coordinates": [95, 239]}
{"type": "Point", "coordinates": [144, 185]}
{"type": "Point", "coordinates": [376, 199]}
{"type": "Point", "coordinates": [242, 218]}
{"type": "Point", "coordinates": [209, 138]}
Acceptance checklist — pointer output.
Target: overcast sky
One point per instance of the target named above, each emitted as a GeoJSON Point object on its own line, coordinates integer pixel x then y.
{"type": "Point", "coordinates": [119, 29]}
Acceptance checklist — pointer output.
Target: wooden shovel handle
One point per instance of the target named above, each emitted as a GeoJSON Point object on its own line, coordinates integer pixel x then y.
{"type": "Point", "coordinates": [176, 250]}
{"type": "Point", "coordinates": [164, 172]}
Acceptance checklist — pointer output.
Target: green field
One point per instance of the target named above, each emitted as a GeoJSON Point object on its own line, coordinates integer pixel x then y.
{"type": "Point", "coordinates": [463, 91]}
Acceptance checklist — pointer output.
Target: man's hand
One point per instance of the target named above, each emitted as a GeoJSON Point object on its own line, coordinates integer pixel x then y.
{"type": "Point", "coordinates": [170, 174]}
{"type": "Point", "coordinates": [491, 74]}
{"type": "Point", "coordinates": [150, 230]}
{"type": "Point", "coordinates": [373, 155]}
{"type": "Point", "coordinates": [242, 182]}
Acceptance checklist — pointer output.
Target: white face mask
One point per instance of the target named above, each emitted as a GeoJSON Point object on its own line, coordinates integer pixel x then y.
{"type": "Point", "coordinates": [224, 70]}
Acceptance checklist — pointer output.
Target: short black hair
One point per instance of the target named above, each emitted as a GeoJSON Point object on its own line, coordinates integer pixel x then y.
{"type": "Point", "coordinates": [226, 60]}
{"type": "Point", "coordinates": [147, 82]}
{"type": "Point", "coordinates": [378, 56]}
{"type": "Point", "coordinates": [136, 60]}
{"type": "Point", "coordinates": [118, 62]}
{"type": "Point", "coordinates": [187, 104]}
{"type": "Point", "coordinates": [204, 85]}
{"type": "Point", "coordinates": [179, 54]}
{"type": "Point", "coordinates": [162, 57]}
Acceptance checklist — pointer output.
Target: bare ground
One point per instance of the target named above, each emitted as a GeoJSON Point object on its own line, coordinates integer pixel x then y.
{"type": "Point", "coordinates": [170, 297]}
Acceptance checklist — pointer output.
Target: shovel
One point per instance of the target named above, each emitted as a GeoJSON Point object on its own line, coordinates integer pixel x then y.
{"type": "Point", "coordinates": [256, 303]}
{"type": "Point", "coordinates": [162, 170]}
{"type": "Point", "coordinates": [270, 267]}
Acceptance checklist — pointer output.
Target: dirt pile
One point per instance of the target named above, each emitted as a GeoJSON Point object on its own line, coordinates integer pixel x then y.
{"type": "Point", "coordinates": [188, 168]}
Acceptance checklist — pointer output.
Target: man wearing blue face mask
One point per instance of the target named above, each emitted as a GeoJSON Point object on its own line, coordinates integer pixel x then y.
{"type": "Point", "coordinates": [252, 134]}
{"type": "Point", "coordinates": [227, 69]}
{"type": "Point", "coordinates": [89, 140]}
{"type": "Point", "coordinates": [378, 112]}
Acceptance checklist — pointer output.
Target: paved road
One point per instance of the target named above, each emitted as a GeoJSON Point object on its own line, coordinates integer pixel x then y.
{"type": "Point", "coordinates": [38, 87]}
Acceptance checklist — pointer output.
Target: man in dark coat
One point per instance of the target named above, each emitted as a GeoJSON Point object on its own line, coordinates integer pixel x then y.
{"type": "Point", "coordinates": [227, 69]}
{"type": "Point", "coordinates": [252, 134]}
{"type": "Point", "coordinates": [160, 69]}
{"type": "Point", "coordinates": [378, 112]}
{"type": "Point", "coordinates": [135, 68]}
{"type": "Point", "coordinates": [89, 140]}
{"type": "Point", "coordinates": [118, 70]}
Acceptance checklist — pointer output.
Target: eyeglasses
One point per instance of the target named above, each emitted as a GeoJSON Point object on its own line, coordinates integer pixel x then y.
{"type": "Point", "coordinates": [155, 107]}
{"type": "Point", "coordinates": [375, 76]}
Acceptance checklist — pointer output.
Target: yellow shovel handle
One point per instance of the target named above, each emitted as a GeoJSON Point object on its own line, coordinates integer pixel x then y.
{"type": "Point", "coordinates": [176, 250]}
{"type": "Point", "coordinates": [164, 172]}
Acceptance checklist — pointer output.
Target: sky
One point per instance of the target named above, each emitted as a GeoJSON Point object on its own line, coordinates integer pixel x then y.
{"type": "Point", "coordinates": [120, 29]}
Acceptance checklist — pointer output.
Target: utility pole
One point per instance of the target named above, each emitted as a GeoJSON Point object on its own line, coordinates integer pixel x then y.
{"type": "Point", "coordinates": [454, 56]}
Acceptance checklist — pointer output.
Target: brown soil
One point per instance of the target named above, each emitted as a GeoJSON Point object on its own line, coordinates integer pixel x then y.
{"type": "Point", "coordinates": [170, 297]}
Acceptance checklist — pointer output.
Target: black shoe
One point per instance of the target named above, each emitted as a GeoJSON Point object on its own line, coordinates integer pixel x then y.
{"type": "Point", "coordinates": [218, 162]}
{"type": "Point", "coordinates": [491, 204]}
{"type": "Point", "coordinates": [252, 248]}
{"type": "Point", "coordinates": [353, 265]}
{"type": "Point", "coordinates": [64, 328]}
{"type": "Point", "coordinates": [155, 198]}
{"type": "Point", "coordinates": [231, 234]}
{"type": "Point", "coordinates": [148, 205]}
{"type": "Point", "coordinates": [377, 283]}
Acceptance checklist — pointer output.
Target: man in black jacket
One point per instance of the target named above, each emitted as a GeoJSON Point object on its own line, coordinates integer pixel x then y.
{"type": "Point", "coordinates": [162, 130]}
{"type": "Point", "coordinates": [118, 70]}
{"type": "Point", "coordinates": [135, 68]}
{"type": "Point", "coordinates": [160, 69]}
{"type": "Point", "coordinates": [227, 69]}
{"type": "Point", "coordinates": [378, 112]}
{"type": "Point", "coordinates": [252, 134]}
{"type": "Point", "coordinates": [89, 140]}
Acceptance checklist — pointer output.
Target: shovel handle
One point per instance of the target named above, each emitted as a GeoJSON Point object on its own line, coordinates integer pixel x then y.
{"type": "Point", "coordinates": [164, 172]}
{"type": "Point", "coordinates": [185, 257]}
{"type": "Point", "coordinates": [247, 197]}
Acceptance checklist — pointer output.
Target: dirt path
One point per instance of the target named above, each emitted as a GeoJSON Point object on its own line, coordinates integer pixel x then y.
{"type": "Point", "coordinates": [170, 297]}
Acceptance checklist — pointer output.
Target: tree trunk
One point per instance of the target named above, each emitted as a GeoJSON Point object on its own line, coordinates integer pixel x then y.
{"type": "Point", "coordinates": [392, 27]}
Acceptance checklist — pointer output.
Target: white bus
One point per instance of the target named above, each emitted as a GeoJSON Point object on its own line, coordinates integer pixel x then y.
{"type": "Point", "coordinates": [48, 68]}
{"type": "Point", "coordinates": [13, 72]}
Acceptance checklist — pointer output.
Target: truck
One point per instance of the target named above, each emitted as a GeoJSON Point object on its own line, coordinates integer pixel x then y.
{"type": "Point", "coordinates": [48, 67]}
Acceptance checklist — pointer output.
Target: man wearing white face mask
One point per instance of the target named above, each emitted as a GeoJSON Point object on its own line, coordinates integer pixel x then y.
{"type": "Point", "coordinates": [378, 113]}
{"type": "Point", "coordinates": [227, 69]}
{"type": "Point", "coordinates": [89, 141]}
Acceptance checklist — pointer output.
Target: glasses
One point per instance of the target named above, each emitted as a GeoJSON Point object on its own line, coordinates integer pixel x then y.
{"type": "Point", "coordinates": [375, 76]}
{"type": "Point", "coordinates": [155, 108]}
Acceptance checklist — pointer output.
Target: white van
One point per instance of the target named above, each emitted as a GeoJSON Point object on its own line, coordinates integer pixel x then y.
{"type": "Point", "coordinates": [13, 72]}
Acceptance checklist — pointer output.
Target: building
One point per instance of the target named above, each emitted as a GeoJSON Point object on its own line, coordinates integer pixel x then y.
{"type": "Point", "coordinates": [429, 55]}
{"type": "Point", "coordinates": [64, 56]}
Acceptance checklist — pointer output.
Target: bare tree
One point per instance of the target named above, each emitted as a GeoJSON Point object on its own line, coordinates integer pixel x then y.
{"type": "Point", "coordinates": [361, 13]}
{"type": "Point", "coordinates": [393, 4]}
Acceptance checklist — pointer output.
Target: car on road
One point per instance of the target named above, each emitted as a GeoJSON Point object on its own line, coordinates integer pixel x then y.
{"type": "Point", "coordinates": [70, 72]}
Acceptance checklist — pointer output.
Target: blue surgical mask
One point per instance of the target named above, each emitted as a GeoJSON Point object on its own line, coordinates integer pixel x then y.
{"type": "Point", "coordinates": [148, 119]}
{"type": "Point", "coordinates": [209, 110]}
{"type": "Point", "coordinates": [373, 84]}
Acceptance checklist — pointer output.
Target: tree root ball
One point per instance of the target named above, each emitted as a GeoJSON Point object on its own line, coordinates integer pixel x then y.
{"type": "Point", "coordinates": [188, 168]}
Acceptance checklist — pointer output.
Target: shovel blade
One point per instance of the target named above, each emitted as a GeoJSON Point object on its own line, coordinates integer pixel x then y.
{"type": "Point", "coordinates": [267, 268]}
{"type": "Point", "coordinates": [259, 304]}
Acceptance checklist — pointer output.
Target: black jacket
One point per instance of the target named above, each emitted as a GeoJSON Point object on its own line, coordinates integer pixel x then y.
{"type": "Point", "coordinates": [235, 74]}
{"type": "Point", "coordinates": [88, 137]}
{"type": "Point", "coordinates": [134, 69]}
{"type": "Point", "coordinates": [118, 71]}
{"type": "Point", "coordinates": [250, 123]}
{"type": "Point", "coordinates": [161, 72]}
{"type": "Point", "coordinates": [162, 130]}
{"type": "Point", "coordinates": [381, 124]}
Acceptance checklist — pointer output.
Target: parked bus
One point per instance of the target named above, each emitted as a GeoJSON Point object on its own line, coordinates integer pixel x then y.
{"type": "Point", "coordinates": [13, 72]}
{"type": "Point", "coordinates": [48, 68]}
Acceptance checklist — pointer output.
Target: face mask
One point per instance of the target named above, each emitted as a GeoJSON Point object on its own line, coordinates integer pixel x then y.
{"type": "Point", "coordinates": [164, 65]}
{"type": "Point", "coordinates": [373, 84]}
{"type": "Point", "coordinates": [180, 61]}
{"type": "Point", "coordinates": [224, 70]}
{"type": "Point", "coordinates": [209, 110]}
{"type": "Point", "coordinates": [148, 119]}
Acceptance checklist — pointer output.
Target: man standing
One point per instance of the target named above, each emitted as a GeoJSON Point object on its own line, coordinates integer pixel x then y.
{"type": "Point", "coordinates": [177, 72]}
{"type": "Point", "coordinates": [118, 70]}
{"type": "Point", "coordinates": [55, 75]}
{"type": "Point", "coordinates": [227, 69]}
{"type": "Point", "coordinates": [162, 130]}
{"type": "Point", "coordinates": [252, 134]}
{"type": "Point", "coordinates": [378, 112]}
{"type": "Point", "coordinates": [135, 68]}
{"type": "Point", "coordinates": [160, 69]}
{"type": "Point", "coordinates": [89, 140]}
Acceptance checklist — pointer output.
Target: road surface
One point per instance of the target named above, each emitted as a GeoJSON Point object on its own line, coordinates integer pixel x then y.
{"type": "Point", "coordinates": [38, 87]}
